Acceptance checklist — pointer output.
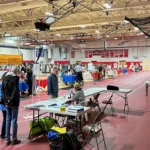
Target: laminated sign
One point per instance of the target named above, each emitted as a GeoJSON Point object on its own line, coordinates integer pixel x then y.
{"type": "Point", "coordinates": [36, 69]}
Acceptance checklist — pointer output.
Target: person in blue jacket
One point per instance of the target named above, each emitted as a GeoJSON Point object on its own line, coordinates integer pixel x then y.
{"type": "Point", "coordinates": [3, 109]}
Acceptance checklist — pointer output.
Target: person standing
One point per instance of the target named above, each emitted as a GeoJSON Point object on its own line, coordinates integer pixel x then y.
{"type": "Point", "coordinates": [11, 100]}
{"type": "Point", "coordinates": [100, 72]}
{"type": "Point", "coordinates": [53, 84]}
{"type": "Point", "coordinates": [78, 71]}
{"type": "Point", "coordinates": [3, 109]}
{"type": "Point", "coordinates": [29, 79]}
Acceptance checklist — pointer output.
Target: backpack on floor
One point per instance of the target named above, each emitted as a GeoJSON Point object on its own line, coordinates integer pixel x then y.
{"type": "Point", "coordinates": [67, 141]}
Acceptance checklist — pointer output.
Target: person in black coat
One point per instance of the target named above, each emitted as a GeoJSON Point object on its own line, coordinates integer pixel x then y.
{"type": "Point", "coordinates": [29, 79]}
{"type": "Point", "coordinates": [53, 84]}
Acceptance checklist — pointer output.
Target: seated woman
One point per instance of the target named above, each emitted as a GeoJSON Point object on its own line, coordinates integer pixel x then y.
{"type": "Point", "coordinates": [78, 96]}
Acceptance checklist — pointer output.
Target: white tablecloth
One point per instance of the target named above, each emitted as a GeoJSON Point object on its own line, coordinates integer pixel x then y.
{"type": "Point", "coordinates": [87, 76]}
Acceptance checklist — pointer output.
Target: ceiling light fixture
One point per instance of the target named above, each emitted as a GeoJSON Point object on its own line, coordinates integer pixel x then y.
{"type": "Point", "coordinates": [82, 26]}
{"type": "Point", "coordinates": [36, 30]}
{"type": "Point", "coordinates": [136, 28]}
{"type": "Point", "coordinates": [107, 5]}
{"type": "Point", "coordinates": [115, 38]}
{"type": "Point", "coordinates": [97, 32]}
{"type": "Point", "coordinates": [58, 34]}
{"type": "Point", "coordinates": [49, 14]}
{"type": "Point", "coordinates": [107, 35]}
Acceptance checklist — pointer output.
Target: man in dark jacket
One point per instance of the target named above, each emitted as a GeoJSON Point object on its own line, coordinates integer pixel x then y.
{"type": "Point", "coordinates": [11, 99]}
{"type": "Point", "coordinates": [53, 84]}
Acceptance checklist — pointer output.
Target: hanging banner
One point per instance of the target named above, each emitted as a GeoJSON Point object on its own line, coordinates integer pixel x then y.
{"type": "Point", "coordinates": [111, 53]}
{"type": "Point", "coordinates": [125, 53]}
{"type": "Point", "coordinates": [116, 53]}
{"type": "Point", "coordinates": [96, 52]}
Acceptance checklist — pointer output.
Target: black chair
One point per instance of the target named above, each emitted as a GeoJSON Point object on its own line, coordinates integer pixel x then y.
{"type": "Point", "coordinates": [94, 103]}
{"type": "Point", "coordinates": [91, 130]}
{"type": "Point", "coordinates": [109, 102]}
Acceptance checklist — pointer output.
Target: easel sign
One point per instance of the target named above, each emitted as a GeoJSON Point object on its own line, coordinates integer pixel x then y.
{"type": "Point", "coordinates": [90, 67]}
{"type": "Point", "coordinates": [36, 69]}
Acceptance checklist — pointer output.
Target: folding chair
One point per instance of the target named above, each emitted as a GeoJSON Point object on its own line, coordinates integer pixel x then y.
{"type": "Point", "coordinates": [109, 102]}
{"type": "Point", "coordinates": [94, 103]}
{"type": "Point", "coordinates": [91, 130]}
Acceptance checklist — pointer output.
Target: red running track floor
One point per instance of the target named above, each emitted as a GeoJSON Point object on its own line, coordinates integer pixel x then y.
{"type": "Point", "coordinates": [122, 132]}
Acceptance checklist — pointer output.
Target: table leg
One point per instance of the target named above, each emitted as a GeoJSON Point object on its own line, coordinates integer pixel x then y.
{"type": "Point", "coordinates": [80, 126]}
{"type": "Point", "coordinates": [146, 85]}
{"type": "Point", "coordinates": [32, 125]}
{"type": "Point", "coordinates": [34, 120]}
{"type": "Point", "coordinates": [126, 102]}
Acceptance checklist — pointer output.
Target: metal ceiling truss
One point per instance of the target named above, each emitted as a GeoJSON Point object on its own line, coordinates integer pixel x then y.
{"type": "Point", "coordinates": [90, 13]}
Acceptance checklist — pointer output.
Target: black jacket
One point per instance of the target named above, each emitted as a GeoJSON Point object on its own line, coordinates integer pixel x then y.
{"type": "Point", "coordinates": [10, 90]}
{"type": "Point", "coordinates": [53, 85]}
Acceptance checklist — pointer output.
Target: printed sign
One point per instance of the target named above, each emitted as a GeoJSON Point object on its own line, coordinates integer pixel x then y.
{"type": "Point", "coordinates": [36, 69]}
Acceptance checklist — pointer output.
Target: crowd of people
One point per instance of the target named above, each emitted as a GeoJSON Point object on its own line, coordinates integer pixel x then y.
{"type": "Point", "coordinates": [10, 100]}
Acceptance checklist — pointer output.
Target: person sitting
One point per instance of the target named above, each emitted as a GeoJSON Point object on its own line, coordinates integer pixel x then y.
{"type": "Point", "coordinates": [78, 96]}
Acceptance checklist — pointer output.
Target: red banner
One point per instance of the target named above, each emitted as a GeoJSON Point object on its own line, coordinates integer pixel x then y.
{"type": "Point", "coordinates": [111, 53]}
{"type": "Point", "coordinates": [120, 53]}
{"type": "Point", "coordinates": [96, 52]}
{"type": "Point", "coordinates": [126, 53]}
{"type": "Point", "coordinates": [116, 53]}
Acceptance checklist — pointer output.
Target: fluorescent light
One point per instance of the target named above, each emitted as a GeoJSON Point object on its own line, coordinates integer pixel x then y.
{"type": "Point", "coordinates": [115, 38]}
{"type": "Point", "coordinates": [97, 31]}
{"type": "Point", "coordinates": [82, 26]}
{"type": "Point", "coordinates": [107, 5]}
{"type": "Point", "coordinates": [36, 30]}
{"type": "Point", "coordinates": [71, 38]}
{"type": "Point", "coordinates": [49, 14]}
{"type": "Point", "coordinates": [136, 28]}
{"type": "Point", "coordinates": [58, 34]}
{"type": "Point", "coordinates": [107, 35]}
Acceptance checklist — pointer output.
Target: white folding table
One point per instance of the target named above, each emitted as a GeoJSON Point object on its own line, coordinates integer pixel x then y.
{"type": "Point", "coordinates": [47, 107]}
{"type": "Point", "coordinates": [94, 91]}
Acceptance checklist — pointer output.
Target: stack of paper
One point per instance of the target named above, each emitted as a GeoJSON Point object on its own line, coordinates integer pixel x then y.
{"type": "Point", "coordinates": [75, 109]}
